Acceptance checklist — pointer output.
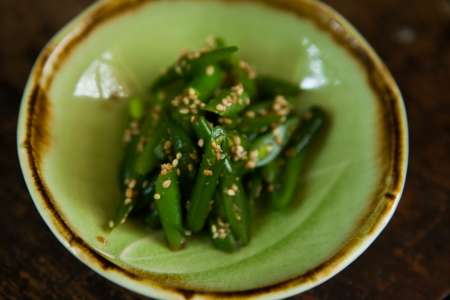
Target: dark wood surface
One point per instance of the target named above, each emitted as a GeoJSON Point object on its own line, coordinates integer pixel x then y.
{"type": "Point", "coordinates": [411, 260]}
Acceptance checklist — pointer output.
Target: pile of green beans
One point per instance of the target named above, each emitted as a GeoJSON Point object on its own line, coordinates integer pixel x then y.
{"type": "Point", "coordinates": [212, 140]}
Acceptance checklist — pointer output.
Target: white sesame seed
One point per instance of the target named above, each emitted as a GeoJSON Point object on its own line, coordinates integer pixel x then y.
{"type": "Point", "coordinates": [220, 107]}
{"type": "Point", "coordinates": [231, 192]}
{"type": "Point", "coordinates": [184, 111]}
{"type": "Point", "coordinates": [201, 143]}
{"type": "Point", "coordinates": [166, 184]}
{"type": "Point", "coordinates": [179, 155]}
{"type": "Point", "coordinates": [210, 70]}
{"type": "Point", "coordinates": [207, 172]}
{"type": "Point", "coordinates": [157, 196]}
{"type": "Point", "coordinates": [175, 163]}
{"type": "Point", "coordinates": [128, 201]}
{"type": "Point", "coordinates": [111, 224]}
{"type": "Point", "coordinates": [132, 183]}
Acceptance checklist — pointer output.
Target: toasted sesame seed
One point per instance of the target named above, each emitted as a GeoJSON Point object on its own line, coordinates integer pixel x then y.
{"type": "Point", "coordinates": [179, 155]}
{"type": "Point", "coordinates": [250, 114]}
{"type": "Point", "coordinates": [201, 143]}
{"type": "Point", "coordinates": [128, 201]}
{"type": "Point", "coordinates": [250, 164]}
{"type": "Point", "coordinates": [207, 172]}
{"type": "Point", "coordinates": [132, 183]}
{"type": "Point", "coordinates": [184, 111]}
{"type": "Point", "coordinates": [234, 187]}
{"type": "Point", "coordinates": [167, 145]}
{"type": "Point", "coordinates": [220, 107]}
{"type": "Point", "coordinates": [156, 196]}
{"type": "Point", "coordinates": [190, 167]}
{"type": "Point", "coordinates": [178, 172]}
{"type": "Point", "coordinates": [231, 192]}
{"type": "Point", "coordinates": [166, 184]}
{"type": "Point", "coordinates": [210, 70]}
{"type": "Point", "coordinates": [175, 163]}
{"type": "Point", "coordinates": [129, 193]}
{"type": "Point", "coordinates": [111, 224]}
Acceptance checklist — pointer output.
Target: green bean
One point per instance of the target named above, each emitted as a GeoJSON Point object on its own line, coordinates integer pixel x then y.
{"type": "Point", "coordinates": [136, 108]}
{"type": "Point", "coordinates": [230, 102]}
{"type": "Point", "coordinates": [184, 149]}
{"type": "Point", "coordinates": [145, 197]}
{"type": "Point", "coordinates": [236, 209]}
{"type": "Point", "coordinates": [269, 87]}
{"type": "Point", "coordinates": [245, 74]}
{"type": "Point", "coordinates": [152, 219]}
{"type": "Point", "coordinates": [168, 203]}
{"type": "Point", "coordinates": [220, 233]}
{"type": "Point", "coordinates": [187, 67]}
{"type": "Point", "coordinates": [152, 133]}
{"type": "Point", "coordinates": [210, 79]}
{"type": "Point", "coordinates": [312, 123]}
{"type": "Point", "coordinates": [206, 181]}
{"type": "Point", "coordinates": [203, 129]}
{"type": "Point", "coordinates": [267, 147]}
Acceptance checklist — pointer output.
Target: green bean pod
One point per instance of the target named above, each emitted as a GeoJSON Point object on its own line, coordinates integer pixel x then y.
{"type": "Point", "coordinates": [205, 83]}
{"type": "Point", "coordinates": [168, 203]}
{"type": "Point", "coordinates": [187, 66]}
{"type": "Point", "coordinates": [269, 87]}
{"type": "Point", "coordinates": [236, 207]}
{"type": "Point", "coordinates": [267, 147]}
{"type": "Point", "coordinates": [185, 151]}
{"type": "Point", "coordinates": [206, 182]}
{"type": "Point", "coordinates": [230, 102]}
{"type": "Point", "coordinates": [312, 123]}
{"type": "Point", "coordinates": [151, 135]}
{"type": "Point", "coordinates": [219, 231]}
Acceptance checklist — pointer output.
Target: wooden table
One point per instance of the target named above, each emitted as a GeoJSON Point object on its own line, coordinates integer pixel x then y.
{"type": "Point", "coordinates": [411, 260]}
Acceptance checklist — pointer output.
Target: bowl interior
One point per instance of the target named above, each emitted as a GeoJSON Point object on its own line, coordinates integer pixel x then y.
{"type": "Point", "coordinates": [86, 101]}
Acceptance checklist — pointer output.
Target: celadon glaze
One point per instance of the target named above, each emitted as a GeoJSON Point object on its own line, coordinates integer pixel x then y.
{"type": "Point", "coordinates": [121, 57]}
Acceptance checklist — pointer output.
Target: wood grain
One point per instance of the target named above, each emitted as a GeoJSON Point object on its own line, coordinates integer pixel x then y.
{"type": "Point", "coordinates": [411, 260]}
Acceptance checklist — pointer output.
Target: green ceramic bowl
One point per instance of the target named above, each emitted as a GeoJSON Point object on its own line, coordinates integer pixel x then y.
{"type": "Point", "coordinates": [72, 118]}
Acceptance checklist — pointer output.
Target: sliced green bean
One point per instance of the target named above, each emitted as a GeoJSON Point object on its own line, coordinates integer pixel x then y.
{"type": "Point", "coordinates": [208, 81]}
{"type": "Point", "coordinates": [207, 179]}
{"type": "Point", "coordinates": [192, 64]}
{"type": "Point", "coordinates": [267, 147]}
{"type": "Point", "coordinates": [168, 203]}
{"type": "Point", "coordinates": [152, 133]}
{"type": "Point", "coordinates": [236, 208]}
{"type": "Point", "coordinates": [269, 87]}
{"type": "Point", "coordinates": [230, 102]}
{"type": "Point", "coordinates": [185, 152]}
{"type": "Point", "coordinates": [245, 74]}
{"type": "Point", "coordinates": [220, 233]}
{"type": "Point", "coordinates": [311, 125]}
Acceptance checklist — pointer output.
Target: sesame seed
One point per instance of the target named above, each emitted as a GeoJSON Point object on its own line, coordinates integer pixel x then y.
{"type": "Point", "coordinates": [111, 224]}
{"type": "Point", "coordinates": [250, 164]}
{"type": "Point", "coordinates": [201, 143]}
{"type": "Point", "coordinates": [250, 114]}
{"type": "Point", "coordinates": [132, 183]}
{"type": "Point", "coordinates": [190, 167]}
{"type": "Point", "coordinates": [157, 196]}
{"type": "Point", "coordinates": [178, 172]}
{"type": "Point", "coordinates": [220, 107]}
{"type": "Point", "coordinates": [175, 163]}
{"type": "Point", "coordinates": [231, 192]}
{"type": "Point", "coordinates": [128, 201]}
{"type": "Point", "coordinates": [129, 193]}
{"type": "Point", "coordinates": [207, 172]}
{"type": "Point", "coordinates": [210, 70]}
{"type": "Point", "coordinates": [234, 187]}
{"type": "Point", "coordinates": [184, 111]}
{"type": "Point", "coordinates": [166, 184]}
{"type": "Point", "coordinates": [188, 232]}
{"type": "Point", "coordinates": [179, 155]}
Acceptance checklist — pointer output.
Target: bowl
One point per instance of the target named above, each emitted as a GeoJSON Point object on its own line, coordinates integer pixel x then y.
{"type": "Point", "coordinates": [72, 117]}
